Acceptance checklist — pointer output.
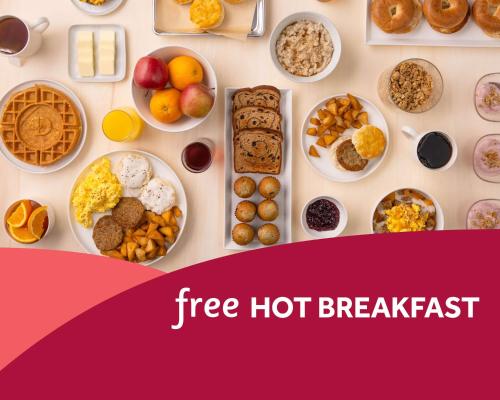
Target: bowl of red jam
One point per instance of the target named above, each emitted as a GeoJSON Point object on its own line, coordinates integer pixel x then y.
{"type": "Point", "coordinates": [324, 217]}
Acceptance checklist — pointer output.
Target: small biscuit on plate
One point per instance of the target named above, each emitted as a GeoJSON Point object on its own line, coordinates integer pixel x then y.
{"type": "Point", "coordinates": [369, 142]}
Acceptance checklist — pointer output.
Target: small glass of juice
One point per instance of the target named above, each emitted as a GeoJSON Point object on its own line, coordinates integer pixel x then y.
{"type": "Point", "coordinates": [122, 125]}
{"type": "Point", "coordinates": [197, 157]}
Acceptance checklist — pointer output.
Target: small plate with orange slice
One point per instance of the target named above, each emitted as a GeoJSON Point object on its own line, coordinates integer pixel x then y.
{"type": "Point", "coordinates": [29, 221]}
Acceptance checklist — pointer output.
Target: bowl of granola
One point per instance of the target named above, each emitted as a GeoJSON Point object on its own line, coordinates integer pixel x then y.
{"type": "Point", "coordinates": [414, 86]}
{"type": "Point", "coordinates": [305, 47]}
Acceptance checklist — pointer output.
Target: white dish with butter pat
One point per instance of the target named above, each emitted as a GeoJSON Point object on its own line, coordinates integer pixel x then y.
{"type": "Point", "coordinates": [85, 53]}
{"type": "Point", "coordinates": [109, 54]}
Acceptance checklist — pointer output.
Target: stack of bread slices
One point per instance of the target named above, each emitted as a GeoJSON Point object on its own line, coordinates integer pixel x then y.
{"type": "Point", "coordinates": [257, 133]}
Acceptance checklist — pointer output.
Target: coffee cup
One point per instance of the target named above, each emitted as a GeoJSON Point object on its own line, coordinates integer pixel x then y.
{"type": "Point", "coordinates": [20, 39]}
{"type": "Point", "coordinates": [435, 150]}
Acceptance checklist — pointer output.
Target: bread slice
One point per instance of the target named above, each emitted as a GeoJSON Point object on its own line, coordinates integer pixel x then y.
{"type": "Point", "coordinates": [256, 117]}
{"type": "Point", "coordinates": [258, 151]}
{"type": "Point", "coordinates": [260, 96]}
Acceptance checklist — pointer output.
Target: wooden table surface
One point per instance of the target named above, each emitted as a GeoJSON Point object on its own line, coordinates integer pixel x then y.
{"type": "Point", "coordinates": [248, 64]}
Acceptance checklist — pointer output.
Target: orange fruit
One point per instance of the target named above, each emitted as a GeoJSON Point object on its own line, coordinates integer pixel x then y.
{"type": "Point", "coordinates": [184, 71]}
{"type": "Point", "coordinates": [38, 221]}
{"type": "Point", "coordinates": [20, 215]}
{"type": "Point", "coordinates": [22, 235]}
{"type": "Point", "coordinates": [165, 105]}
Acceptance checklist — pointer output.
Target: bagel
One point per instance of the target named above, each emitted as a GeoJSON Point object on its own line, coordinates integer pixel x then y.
{"type": "Point", "coordinates": [396, 16]}
{"type": "Point", "coordinates": [446, 16]}
{"type": "Point", "coordinates": [486, 13]}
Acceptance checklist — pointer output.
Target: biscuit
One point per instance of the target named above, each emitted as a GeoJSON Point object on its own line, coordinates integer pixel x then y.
{"type": "Point", "coordinates": [369, 142]}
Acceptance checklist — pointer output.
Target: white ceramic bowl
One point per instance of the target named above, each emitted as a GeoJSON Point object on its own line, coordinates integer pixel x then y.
{"type": "Point", "coordinates": [439, 210]}
{"type": "Point", "coordinates": [50, 215]}
{"type": "Point", "coordinates": [142, 96]}
{"type": "Point", "coordinates": [334, 34]}
{"type": "Point", "coordinates": [343, 217]}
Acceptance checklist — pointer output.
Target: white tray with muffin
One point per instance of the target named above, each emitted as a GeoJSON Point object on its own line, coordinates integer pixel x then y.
{"type": "Point", "coordinates": [258, 167]}
{"type": "Point", "coordinates": [345, 138]}
{"type": "Point", "coordinates": [450, 23]}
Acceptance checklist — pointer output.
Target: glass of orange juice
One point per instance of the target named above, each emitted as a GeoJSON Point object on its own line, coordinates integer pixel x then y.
{"type": "Point", "coordinates": [122, 125]}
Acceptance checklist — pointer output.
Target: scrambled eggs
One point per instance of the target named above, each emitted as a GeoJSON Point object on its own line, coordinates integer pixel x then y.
{"type": "Point", "coordinates": [406, 218]}
{"type": "Point", "coordinates": [94, 2]}
{"type": "Point", "coordinates": [99, 191]}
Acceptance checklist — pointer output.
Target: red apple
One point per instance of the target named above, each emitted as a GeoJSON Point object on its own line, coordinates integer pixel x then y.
{"type": "Point", "coordinates": [151, 73]}
{"type": "Point", "coordinates": [196, 100]}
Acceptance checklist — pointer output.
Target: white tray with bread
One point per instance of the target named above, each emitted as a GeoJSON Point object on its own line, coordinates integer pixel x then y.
{"type": "Point", "coordinates": [451, 23]}
{"type": "Point", "coordinates": [258, 167]}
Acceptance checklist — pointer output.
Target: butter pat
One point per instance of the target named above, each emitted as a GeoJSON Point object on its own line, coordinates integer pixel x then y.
{"type": "Point", "coordinates": [107, 52]}
{"type": "Point", "coordinates": [85, 53]}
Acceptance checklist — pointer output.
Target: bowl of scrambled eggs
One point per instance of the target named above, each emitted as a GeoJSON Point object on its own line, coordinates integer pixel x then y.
{"type": "Point", "coordinates": [407, 210]}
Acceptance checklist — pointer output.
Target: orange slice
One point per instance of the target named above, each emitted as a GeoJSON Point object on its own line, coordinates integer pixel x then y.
{"type": "Point", "coordinates": [22, 235]}
{"type": "Point", "coordinates": [37, 222]}
{"type": "Point", "coordinates": [20, 215]}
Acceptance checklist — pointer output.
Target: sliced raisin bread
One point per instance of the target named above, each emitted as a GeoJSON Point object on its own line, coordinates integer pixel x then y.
{"type": "Point", "coordinates": [260, 96]}
{"type": "Point", "coordinates": [258, 151]}
{"type": "Point", "coordinates": [256, 117]}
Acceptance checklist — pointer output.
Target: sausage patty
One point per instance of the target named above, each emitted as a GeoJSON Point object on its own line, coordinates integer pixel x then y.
{"type": "Point", "coordinates": [128, 212]}
{"type": "Point", "coordinates": [108, 234]}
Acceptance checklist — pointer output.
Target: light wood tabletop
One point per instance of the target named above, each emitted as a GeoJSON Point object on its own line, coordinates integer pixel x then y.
{"type": "Point", "coordinates": [242, 64]}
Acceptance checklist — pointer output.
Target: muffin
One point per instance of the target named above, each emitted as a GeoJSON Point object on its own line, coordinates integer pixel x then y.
{"type": "Point", "coordinates": [245, 211]}
{"type": "Point", "coordinates": [243, 234]}
{"type": "Point", "coordinates": [207, 14]}
{"type": "Point", "coordinates": [268, 234]}
{"type": "Point", "coordinates": [269, 187]}
{"type": "Point", "coordinates": [268, 210]}
{"type": "Point", "coordinates": [369, 142]}
{"type": "Point", "coordinates": [244, 187]}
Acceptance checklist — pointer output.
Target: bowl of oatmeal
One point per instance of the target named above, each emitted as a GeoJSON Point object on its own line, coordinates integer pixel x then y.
{"type": "Point", "coordinates": [305, 47]}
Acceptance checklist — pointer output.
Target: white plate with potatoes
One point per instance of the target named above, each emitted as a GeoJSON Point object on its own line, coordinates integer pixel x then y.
{"type": "Point", "coordinates": [323, 161]}
{"type": "Point", "coordinates": [159, 170]}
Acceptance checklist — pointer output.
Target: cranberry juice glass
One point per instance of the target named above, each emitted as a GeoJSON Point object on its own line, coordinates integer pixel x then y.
{"type": "Point", "coordinates": [197, 157]}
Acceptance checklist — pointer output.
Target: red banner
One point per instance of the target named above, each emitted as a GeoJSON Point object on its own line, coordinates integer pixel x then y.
{"type": "Point", "coordinates": [125, 347]}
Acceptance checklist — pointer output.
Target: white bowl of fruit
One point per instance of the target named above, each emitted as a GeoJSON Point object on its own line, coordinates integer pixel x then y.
{"type": "Point", "coordinates": [174, 89]}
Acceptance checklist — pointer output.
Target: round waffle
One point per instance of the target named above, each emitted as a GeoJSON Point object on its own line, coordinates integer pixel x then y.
{"type": "Point", "coordinates": [40, 125]}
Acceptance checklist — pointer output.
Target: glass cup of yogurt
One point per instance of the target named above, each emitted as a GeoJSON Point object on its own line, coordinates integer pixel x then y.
{"type": "Point", "coordinates": [487, 97]}
{"type": "Point", "coordinates": [487, 158]}
{"type": "Point", "coordinates": [484, 214]}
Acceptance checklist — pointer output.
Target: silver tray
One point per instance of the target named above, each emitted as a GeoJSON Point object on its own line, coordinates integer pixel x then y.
{"type": "Point", "coordinates": [258, 25]}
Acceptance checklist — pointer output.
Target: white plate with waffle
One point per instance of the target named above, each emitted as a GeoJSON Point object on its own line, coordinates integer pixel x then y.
{"type": "Point", "coordinates": [42, 125]}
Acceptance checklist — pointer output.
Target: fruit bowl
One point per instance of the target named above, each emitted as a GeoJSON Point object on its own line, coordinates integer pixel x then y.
{"type": "Point", "coordinates": [142, 97]}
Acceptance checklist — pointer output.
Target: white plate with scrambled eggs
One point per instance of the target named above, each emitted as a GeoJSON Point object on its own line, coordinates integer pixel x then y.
{"type": "Point", "coordinates": [98, 7]}
{"type": "Point", "coordinates": [102, 172]}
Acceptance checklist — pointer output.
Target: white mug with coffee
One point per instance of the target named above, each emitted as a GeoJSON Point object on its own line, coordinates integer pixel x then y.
{"type": "Point", "coordinates": [435, 150]}
{"type": "Point", "coordinates": [19, 39]}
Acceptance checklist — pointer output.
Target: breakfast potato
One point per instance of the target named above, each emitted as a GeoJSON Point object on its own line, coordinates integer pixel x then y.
{"type": "Point", "coordinates": [339, 115]}
{"type": "Point", "coordinates": [150, 239]}
{"type": "Point", "coordinates": [114, 254]}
